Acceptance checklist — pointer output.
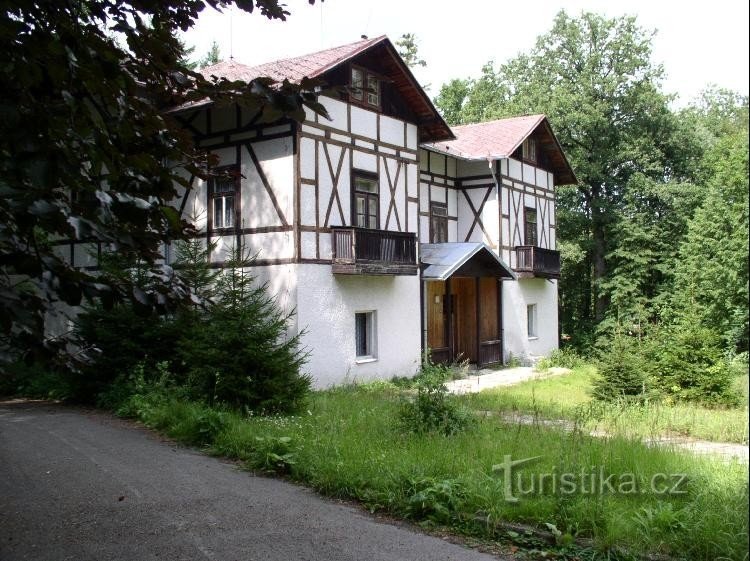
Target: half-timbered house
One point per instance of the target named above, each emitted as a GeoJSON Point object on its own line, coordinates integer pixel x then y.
{"type": "Point", "coordinates": [386, 231]}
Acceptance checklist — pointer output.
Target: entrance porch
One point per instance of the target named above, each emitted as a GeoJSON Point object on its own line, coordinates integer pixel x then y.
{"type": "Point", "coordinates": [462, 302]}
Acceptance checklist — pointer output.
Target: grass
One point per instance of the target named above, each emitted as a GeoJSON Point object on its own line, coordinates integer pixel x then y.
{"type": "Point", "coordinates": [568, 397]}
{"type": "Point", "coordinates": [348, 445]}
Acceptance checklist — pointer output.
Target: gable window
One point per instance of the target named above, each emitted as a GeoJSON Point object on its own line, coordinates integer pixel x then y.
{"type": "Point", "coordinates": [438, 223]}
{"type": "Point", "coordinates": [366, 200]}
{"type": "Point", "coordinates": [364, 334]}
{"type": "Point", "coordinates": [531, 321]}
{"type": "Point", "coordinates": [223, 198]}
{"type": "Point", "coordinates": [529, 150]}
{"type": "Point", "coordinates": [365, 87]}
{"type": "Point", "coordinates": [529, 215]}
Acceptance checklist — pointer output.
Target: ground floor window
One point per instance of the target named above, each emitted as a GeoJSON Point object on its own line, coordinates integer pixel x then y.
{"type": "Point", "coordinates": [364, 334]}
{"type": "Point", "coordinates": [531, 320]}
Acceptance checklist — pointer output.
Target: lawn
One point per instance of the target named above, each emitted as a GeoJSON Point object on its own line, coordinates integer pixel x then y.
{"type": "Point", "coordinates": [568, 397]}
{"type": "Point", "coordinates": [348, 445]}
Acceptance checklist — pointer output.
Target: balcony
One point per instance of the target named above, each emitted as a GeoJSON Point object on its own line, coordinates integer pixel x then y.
{"type": "Point", "coordinates": [532, 261]}
{"type": "Point", "coordinates": [359, 251]}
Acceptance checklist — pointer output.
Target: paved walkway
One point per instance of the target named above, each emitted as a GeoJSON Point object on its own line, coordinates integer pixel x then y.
{"type": "Point", "coordinates": [486, 379]}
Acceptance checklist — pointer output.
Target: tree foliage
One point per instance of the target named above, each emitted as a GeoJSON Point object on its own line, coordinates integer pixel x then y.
{"type": "Point", "coordinates": [640, 164]}
{"type": "Point", "coordinates": [213, 56]}
{"type": "Point", "coordinates": [89, 152]}
{"type": "Point", "coordinates": [409, 51]}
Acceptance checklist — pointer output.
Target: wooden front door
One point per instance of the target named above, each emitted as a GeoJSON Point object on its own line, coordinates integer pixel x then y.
{"type": "Point", "coordinates": [463, 320]}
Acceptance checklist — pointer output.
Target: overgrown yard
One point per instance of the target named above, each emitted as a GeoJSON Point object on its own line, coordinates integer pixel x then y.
{"type": "Point", "coordinates": [569, 397]}
{"type": "Point", "coordinates": [349, 444]}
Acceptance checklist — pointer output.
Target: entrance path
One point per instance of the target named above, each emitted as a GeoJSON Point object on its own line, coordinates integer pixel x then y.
{"type": "Point", "coordinates": [80, 485]}
{"type": "Point", "coordinates": [486, 379]}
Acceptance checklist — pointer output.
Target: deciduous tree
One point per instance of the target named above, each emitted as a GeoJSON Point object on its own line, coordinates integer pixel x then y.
{"type": "Point", "coordinates": [88, 153]}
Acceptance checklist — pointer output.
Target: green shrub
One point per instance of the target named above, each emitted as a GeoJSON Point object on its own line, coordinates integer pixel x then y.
{"type": "Point", "coordinates": [273, 454]}
{"type": "Point", "coordinates": [438, 501]}
{"type": "Point", "coordinates": [239, 353]}
{"type": "Point", "coordinates": [433, 409]}
{"type": "Point", "coordinates": [114, 341]}
{"type": "Point", "coordinates": [37, 381]}
{"type": "Point", "coordinates": [622, 370]}
{"type": "Point", "coordinates": [688, 364]}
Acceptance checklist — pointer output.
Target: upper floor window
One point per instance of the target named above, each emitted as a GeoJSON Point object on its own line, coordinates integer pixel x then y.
{"type": "Point", "coordinates": [223, 195]}
{"type": "Point", "coordinates": [366, 200]}
{"type": "Point", "coordinates": [529, 226]}
{"type": "Point", "coordinates": [529, 150]}
{"type": "Point", "coordinates": [365, 87]}
{"type": "Point", "coordinates": [438, 223]}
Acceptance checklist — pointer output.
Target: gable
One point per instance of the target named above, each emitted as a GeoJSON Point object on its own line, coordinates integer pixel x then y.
{"type": "Point", "coordinates": [404, 97]}
{"type": "Point", "coordinates": [503, 138]}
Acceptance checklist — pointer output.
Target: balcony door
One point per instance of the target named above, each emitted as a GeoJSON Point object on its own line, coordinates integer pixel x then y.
{"type": "Point", "coordinates": [366, 199]}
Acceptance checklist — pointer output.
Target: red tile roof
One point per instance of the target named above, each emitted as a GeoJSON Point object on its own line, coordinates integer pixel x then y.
{"type": "Point", "coordinates": [493, 139]}
{"type": "Point", "coordinates": [498, 139]}
{"type": "Point", "coordinates": [316, 65]}
{"type": "Point", "coordinates": [293, 69]}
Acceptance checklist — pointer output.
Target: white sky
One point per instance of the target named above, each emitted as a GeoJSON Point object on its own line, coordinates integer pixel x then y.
{"type": "Point", "coordinates": [699, 43]}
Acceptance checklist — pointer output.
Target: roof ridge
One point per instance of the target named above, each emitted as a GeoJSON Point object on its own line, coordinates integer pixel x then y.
{"type": "Point", "coordinates": [499, 120]}
{"type": "Point", "coordinates": [363, 42]}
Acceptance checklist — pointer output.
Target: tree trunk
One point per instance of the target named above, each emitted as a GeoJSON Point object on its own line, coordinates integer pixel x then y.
{"type": "Point", "coordinates": [601, 301]}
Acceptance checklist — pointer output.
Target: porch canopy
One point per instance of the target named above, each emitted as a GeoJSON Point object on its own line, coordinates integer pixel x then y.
{"type": "Point", "coordinates": [444, 260]}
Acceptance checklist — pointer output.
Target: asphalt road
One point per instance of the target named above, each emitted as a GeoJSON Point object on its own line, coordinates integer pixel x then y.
{"type": "Point", "coordinates": [83, 486]}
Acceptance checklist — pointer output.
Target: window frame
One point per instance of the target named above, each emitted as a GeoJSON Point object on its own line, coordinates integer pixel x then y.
{"type": "Point", "coordinates": [526, 223]}
{"type": "Point", "coordinates": [434, 219]}
{"type": "Point", "coordinates": [369, 197]}
{"type": "Point", "coordinates": [362, 95]}
{"type": "Point", "coordinates": [233, 170]}
{"type": "Point", "coordinates": [530, 150]}
{"type": "Point", "coordinates": [532, 321]}
{"type": "Point", "coordinates": [370, 336]}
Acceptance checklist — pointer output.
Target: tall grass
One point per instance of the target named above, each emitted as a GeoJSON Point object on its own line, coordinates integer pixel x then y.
{"type": "Point", "coordinates": [348, 445]}
{"type": "Point", "coordinates": [568, 397]}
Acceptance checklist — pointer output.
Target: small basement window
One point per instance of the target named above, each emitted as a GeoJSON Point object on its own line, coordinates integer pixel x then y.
{"type": "Point", "coordinates": [364, 335]}
{"type": "Point", "coordinates": [531, 321]}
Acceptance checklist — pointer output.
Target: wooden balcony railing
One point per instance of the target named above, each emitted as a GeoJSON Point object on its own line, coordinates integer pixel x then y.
{"type": "Point", "coordinates": [359, 251]}
{"type": "Point", "coordinates": [532, 261]}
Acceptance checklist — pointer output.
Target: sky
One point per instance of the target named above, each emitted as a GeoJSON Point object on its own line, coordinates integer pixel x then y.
{"type": "Point", "coordinates": [698, 43]}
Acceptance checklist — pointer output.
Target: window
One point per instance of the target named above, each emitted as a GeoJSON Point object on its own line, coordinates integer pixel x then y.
{"type": "Point", "coordinates": [373, 91]}
{"type": "Point", "coordinates": [529, 216]}
{"type": "Point", "coordinates": [364, 334]}
{"type": "Point", "coordinates": [529, 149]}
{"type": "Point", "coordinates": [365, 87]}
{"type": "Point", "coordinates": [222, 197]}
{"type": "Point", "coordinates": [438, 223]}
{"type": "Point", "coordinates": [531, 320]}
{"type": "Point", "coordinates": [366, 200]}
{"type": "Point", "coordinates": [358, 83]}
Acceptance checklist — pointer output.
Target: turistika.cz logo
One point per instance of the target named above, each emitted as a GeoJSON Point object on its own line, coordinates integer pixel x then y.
{"type": "Point", "coordinates": [594, 481]}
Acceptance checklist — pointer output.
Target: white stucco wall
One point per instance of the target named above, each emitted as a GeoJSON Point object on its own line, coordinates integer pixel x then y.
{"type": "Point", "coordinates": [517, 295]}
{"type": "Point", "coordinates": [326, 305]}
